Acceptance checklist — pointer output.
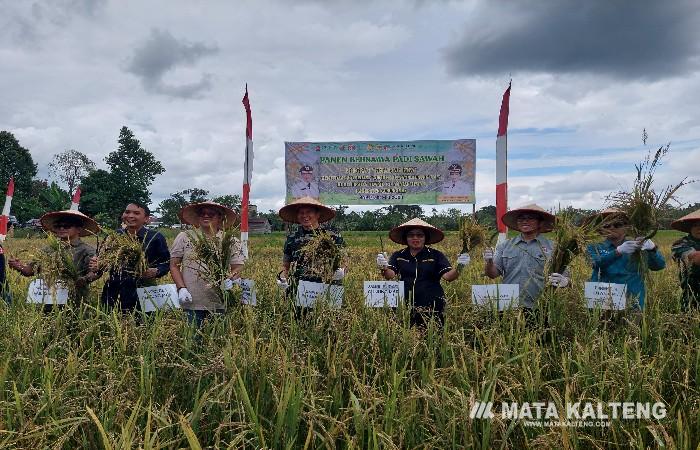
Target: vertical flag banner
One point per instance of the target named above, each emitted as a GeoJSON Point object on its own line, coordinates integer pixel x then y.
{"type": "Point", "coordinates": [5, 217]}
{"type": "Point", "coordinates": [247, 172]}
{"type": "Point", "coordinates": [76, 200]}
{"type": "Point", "coordinates": [502, 165]}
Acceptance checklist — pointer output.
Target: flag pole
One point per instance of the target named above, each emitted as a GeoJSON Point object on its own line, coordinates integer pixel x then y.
{"type": "Point", "coordinates": [502, 165]}
{"type": "Point", "coordinates": [5, 216]}
{"type": "Point", "coordinates": [247, 173]}
{"type": "Point", "coordinates": [75, 202]}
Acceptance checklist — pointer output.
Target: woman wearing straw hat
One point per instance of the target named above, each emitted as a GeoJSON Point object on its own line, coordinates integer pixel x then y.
{"type": "Point", "coordinates": [421, 268]}
{"type": "Point", "coordinates": [197, 298]}
{"type": "Point", "coordinates": [613, 261]}
{"type": "Point", "coordinates": [520, 260]}
{"type": "Point", "coordinates": [309, 213]}
{"type": "Point", "coordinates": [686, 251]}
{"type": "Point", "coordinates": [69, 226]}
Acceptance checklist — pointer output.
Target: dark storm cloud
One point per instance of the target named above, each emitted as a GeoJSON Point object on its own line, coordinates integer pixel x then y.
{"type": "Point", "coordinates": [644, 39]}
{"type": "Point", "coordinates": [160, 53]}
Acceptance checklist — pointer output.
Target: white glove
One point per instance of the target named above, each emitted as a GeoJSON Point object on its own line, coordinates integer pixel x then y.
{"type": "Point", "coordinates": [229, 283]}
{"type": "Point", "coordinates": [648, 244]}
{"type": "Point", "coordinates": [463, 260]}
{"type": "Point", "coordinates": [382, 262]}
{"type": "Point", "coordinates": [282, 283]}
{"type": "Point", "coordinates": [339, 274]}
{"type": "Point", "coordinates": [184, 296]}
{"type": "Point", "coordinates": [558, 280]}
{"type": "Point", "coordinates": [488, 254]}
{"type": "Point", "coordinates": [628, 247]}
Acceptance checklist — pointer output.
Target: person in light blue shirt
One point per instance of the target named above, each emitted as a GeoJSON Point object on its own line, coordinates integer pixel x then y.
{"type": "Point", "coordinates": [617, 259]}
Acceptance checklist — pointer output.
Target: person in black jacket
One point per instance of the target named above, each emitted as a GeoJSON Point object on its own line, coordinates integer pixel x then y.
{"type": "Point", "coordinates": [421, 268]}
{"type": "Point", "coordinates": [4, 291]}
{"type": "Point", "coordinates": [120, 289]}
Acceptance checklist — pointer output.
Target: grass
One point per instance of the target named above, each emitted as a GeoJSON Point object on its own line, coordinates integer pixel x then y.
{"type": "Point", "coordinates": [349, 378]}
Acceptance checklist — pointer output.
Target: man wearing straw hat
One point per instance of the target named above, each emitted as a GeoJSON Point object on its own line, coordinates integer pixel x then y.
{"type": "Point", "coordinates": [69, 226]}
{"type": "Point", "coordinates": [421, 268]}
{"type": "Point", "coordinates": [686, 251]}
{"type": "Point", "coordinates": [521, 260]}
{"type": "Point", "coordinates": [120, 288]}
{"type": "Point", "coordinates": [197, 297]}
{"type": "Point", "coordinates": [613, 260]}
{"type": "Point", "coordinates": [309, 214]}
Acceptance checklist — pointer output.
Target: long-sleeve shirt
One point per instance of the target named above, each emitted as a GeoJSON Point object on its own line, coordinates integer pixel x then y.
{"type": "Point", "coordinates": [122, 285]}
{"type": "Point", "coordinates": [609, 267]}
{"type": "Point", "coordinates": [421, 275]}
{"type": "Point", "coordinates": [2, 273]}
{"type": "Point", "coordinates": [689, 273]}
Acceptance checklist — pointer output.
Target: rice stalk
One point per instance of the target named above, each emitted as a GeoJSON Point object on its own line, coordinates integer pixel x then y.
{"type": "Point", "coordinates": [473, 234]}
{"type": "Point", "coordinates": [56, 265]}
{"type": "Point", "coordinates": [570, 238]}
{"type": "Point", "coordinates": [212, 255]}
{"type": "Point", "coordinates": [123, 252]}
{"type": "Point", "coordinates": [321, 256]}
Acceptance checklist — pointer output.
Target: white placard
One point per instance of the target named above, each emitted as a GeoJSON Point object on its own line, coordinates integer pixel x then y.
{"type": "Point", "coordinates": [40, 293]}
{"type": "Point", "coordinates": [605, 295]}
{"type": "Point", "coordinates": [309, 292]}
{"type": "Point", "coordinates": [486, 294]}
{"type": "Point", "coordinates": [163, 296]}
{"type": "Point", "coordinates": [248, 292]}
{"type": "Point", "coordinates": [380, 293]}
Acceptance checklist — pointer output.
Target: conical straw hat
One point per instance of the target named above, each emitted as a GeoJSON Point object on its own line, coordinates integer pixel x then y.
{"type": "Point", "coordinates": [289, 212]}
{"type": "Point", "coordinates": [686, 222]}
{"type": "Point", "coordinates": [190, 213]}
{"type": "Point", "coordinates": [433, 235]}
{"type": "Point", "coordinates": [89, 226]}
{"type": "Point", "coordinates": [547, 219]}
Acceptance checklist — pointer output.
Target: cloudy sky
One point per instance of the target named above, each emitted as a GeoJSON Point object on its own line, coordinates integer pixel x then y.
{"type": "Point", "coordinates": [587, 78]}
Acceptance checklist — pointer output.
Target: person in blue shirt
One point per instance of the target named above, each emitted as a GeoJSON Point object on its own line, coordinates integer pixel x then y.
{"type": "Point", "coordinates": [614, 259]}
{"type": "Point", "coordinates": [120, 289]}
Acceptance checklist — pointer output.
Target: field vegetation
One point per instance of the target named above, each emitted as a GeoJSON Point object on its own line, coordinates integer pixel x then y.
{"type": "Point", "coordinates": [348, 378]}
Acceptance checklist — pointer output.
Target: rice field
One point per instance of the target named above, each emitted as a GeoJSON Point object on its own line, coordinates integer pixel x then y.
{"type": "Point", "coordinates": [349, 378]}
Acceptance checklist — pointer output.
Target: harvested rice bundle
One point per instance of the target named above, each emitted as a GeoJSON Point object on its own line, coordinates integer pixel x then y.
{"type": "Point", "coordinates": [321, 256]}
{"type": "Point", "coordinates": [643, 205]}
{"type": "Point", "coordinates": [123, 252]}
{"type": "Point", "coordinates": [212, 255]}
{"type": "Point", "coordinates": [473, 234]}
{"type": "Point", "coordinates": [570, 238]}
{"type": "Point", "coordinates": [55, 264]}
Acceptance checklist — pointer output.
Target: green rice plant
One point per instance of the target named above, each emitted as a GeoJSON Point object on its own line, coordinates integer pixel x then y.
{"type": "Point", "coordinates": [570, 238]}
{"type": "Point", "coordinates": [321, 256]}
{"type": "Point", "coordinates": [123, 252]}
{"type": "Point", "coordinates": [55, 263]}
{"type": "Point", "coordinates": [212, 254]}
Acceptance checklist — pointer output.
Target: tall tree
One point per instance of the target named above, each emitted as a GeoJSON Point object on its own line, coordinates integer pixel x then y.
{"type": "Point", "coordinates": [17, 162]}
{"type": "Point", "coordinates": [232, 201]}
{"type": "Point", "coordinates": [96, 197]}
{"type": "Point", "coordinates": [70, 167]}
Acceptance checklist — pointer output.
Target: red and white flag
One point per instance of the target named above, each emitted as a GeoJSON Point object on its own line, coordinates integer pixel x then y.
{"type": "Point", "coordinates": [75, 202]}
{"type": "Point", "coordinates": [5, 217]}
{"type": "Point", "coordinates": [502, 166]}
{"type": "Point", "coordinates": [247, 173]}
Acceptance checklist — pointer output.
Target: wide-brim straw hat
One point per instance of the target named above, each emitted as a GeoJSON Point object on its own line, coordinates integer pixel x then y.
{"type": "Point", "coordinates": [190, 213]}
{"type": "Point", "coordinates": [289, 212]}
{"type": "Point", "coordinates": [686, 222]}
{"type": "Point", "coordinates": [546, 222]}
{"type": "Point", "coordinates": [88, 225]}
{"type": "Point", "coordinates": [433, 235]}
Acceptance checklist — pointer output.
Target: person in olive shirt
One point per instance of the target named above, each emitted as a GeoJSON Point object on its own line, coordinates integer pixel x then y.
{"type": "Point", "coordinates": [309, 213]}
{"type": "Point", "coordinates": [421, 268]}
{"type": "Point", "coordinates": [69, 226]}
{"type": "Point", "coordinates": [686, 252]}
{"type": "Point", "coordinates": [4, 291]}
{"type": "Point", "coordinates": [120, 289]}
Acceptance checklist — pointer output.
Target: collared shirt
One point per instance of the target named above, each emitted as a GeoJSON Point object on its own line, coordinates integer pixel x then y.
{"type": "Point", "coordinates": [301, 268]}
{"type": "Point", "coordinates": [689, 273]}
{"type": "Point", "coordinates": [121, 285]}
{"type": "Point", "coordinates": [609, 267]}
{"type": "Point", "coordinates": [421, 275]}
{"type": "Point", "coordinates": [204, 296]}
{"type": "Point", "coordinates": [522, 262]}
{"type": "Point", "coordinates": [2, 273]}
{"type": "Point", "coordinates": [82, 253]}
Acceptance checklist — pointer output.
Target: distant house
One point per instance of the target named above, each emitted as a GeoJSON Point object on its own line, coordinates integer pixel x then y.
{"type": "Point", "coordinates": [259, 225]}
